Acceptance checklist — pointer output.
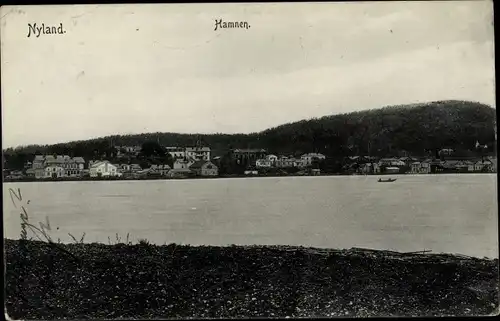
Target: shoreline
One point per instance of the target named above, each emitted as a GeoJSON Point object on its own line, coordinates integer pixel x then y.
{"type": "Point", "coordinates": [112, 179]}
{"type": "Point", "coordinates": [182, 281]}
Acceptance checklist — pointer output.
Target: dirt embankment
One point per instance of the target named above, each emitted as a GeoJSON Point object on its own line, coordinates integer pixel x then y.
{"type": "Point", "coordinates": [146, 281]}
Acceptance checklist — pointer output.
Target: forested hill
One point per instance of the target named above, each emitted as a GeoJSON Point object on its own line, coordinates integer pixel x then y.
{"type": "Point", "coordinates": [415, 129]}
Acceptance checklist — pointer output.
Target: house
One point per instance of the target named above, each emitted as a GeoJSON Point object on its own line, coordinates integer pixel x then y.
{"type": "Point", "coordinates": [140, 174]}
{"type": "Point", "coordinates": [198, 153]}
{"type": "Point", "coordinates": [493, 166]}
{"type": "Point", "coordinates": [446, 151]}
{"type": "Point", "coordinates": [263, 163]}
{"type": "Point", "coordinates": [483, 165]}
{"type": "Point", "coordinates": [415, 167]}
{"type": "Point", "coordinates": [391, 162]}
{"type": "Point", "coordinates": [159, 169]}
{"type": "Point", "coordinates": [124, 168]}
{"type": "Point", "coordinates": [267, 162]}
{"type": "Point", "coordinates": [178, 173]}
{"type": "Point", "coordinates": [300, 163]}
{"type": "Point", "coordinates": [469, 164]}
{"type": "Point", "coordinates": [366, 168]}
{"type": "Point", "coordinates": [54, 171]}
{"type": "Point", "coordinates": [284, 162]}
{"type": "Point", "coordinates": [310, 157]}
{"type": "Point", "coordinates": [176, 152]}
{"type": "Point", "coordinates": [407, 160]}
{"type": "Point", "coordinates": [128, 150]}
{"type": "Point", "coordinates": [195, 153]}
{"type": "Point", "coordinates": [392, 170]}
{"type": "Point", "coordinates": [72, 167]}
{"type": "Point", "coordinates": [423, 167]}
{"type": "Point", "coordinates": [135, 168]}
{"type": "Point", "coordinates": [183, 163]}
{"type": "Point", "coordinates": [359, 159]}
{"type": "Point", "coordinates": [104, 169]}
{"type": "Point", "coordinates": [38, 162]}
{"type": "Point", "coordinates": [30, 172]}
{"type": "Point", "coordinates": [436, 165]}
{"type": "Point", "coordinates": [204, 168]}
{"type": "Point", "coordinates": [248, 155]}
{"type": "Point", "coordinates": [451, 165]}
{"type": "Point", "coordinates": [315, 172]}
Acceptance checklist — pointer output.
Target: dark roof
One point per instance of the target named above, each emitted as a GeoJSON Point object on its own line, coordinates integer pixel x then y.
{"type": "Point", "coordinates": [159, 167]}
{"type": "Point", "coordinates": [198, 164]}
{"type": "Point", "coordinates": [453, 162]}
{"type": "Point", "coordinates": [200, 149]}
{"type": "Point", "coordinates": [255, 150]}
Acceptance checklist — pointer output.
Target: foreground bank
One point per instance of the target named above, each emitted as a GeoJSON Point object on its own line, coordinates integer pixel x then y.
{"type": "Point", "coordinates": [173, 281]}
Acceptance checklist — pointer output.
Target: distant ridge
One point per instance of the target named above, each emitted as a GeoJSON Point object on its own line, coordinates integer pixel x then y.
{"type": "Point", "coordinates": [410, 128]}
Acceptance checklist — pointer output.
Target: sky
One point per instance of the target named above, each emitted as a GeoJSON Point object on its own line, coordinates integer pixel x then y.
{"type": "Point", "coordinates": [124, 69]}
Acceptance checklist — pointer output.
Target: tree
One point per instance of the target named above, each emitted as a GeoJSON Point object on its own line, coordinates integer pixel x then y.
{"type": "Point", "coordinates": [381, 132]}
{"type": "Point", "coordinates": [152, 148]}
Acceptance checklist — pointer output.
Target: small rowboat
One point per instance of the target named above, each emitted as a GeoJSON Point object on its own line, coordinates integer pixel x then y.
{"type": "Point", "coordinates": [390, 180]}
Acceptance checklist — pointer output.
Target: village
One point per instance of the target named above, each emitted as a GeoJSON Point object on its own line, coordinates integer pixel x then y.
{"type": "Point", "coordinates": [191, 162]}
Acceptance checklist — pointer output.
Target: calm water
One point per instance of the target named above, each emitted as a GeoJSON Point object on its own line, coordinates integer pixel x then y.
{"type": "Point", "coordinates": [443, 213]}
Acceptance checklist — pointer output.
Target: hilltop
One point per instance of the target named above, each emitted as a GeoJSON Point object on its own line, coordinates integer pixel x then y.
{"type": "Point", "coordinates": [416, 129]}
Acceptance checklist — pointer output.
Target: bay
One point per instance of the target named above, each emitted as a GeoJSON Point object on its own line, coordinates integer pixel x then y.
{"type": "Point", "coordinates": [442, 213]}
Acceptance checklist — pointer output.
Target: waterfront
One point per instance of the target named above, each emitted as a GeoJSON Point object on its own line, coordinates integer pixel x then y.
{"type": "Point", "coordinates": [442, 213]}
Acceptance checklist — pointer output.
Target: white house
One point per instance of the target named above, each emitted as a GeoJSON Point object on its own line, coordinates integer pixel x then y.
{"type": "Point", "coordinates": [104, 169]}
{"type": "Point", "coordinates": [176, 152]}
{"type": "Point", "coordinates": [307, 159]}
{"type": "Point", "coordinates": [284, 161]}
{"type": "Point", "coordinates": [196, 153]}
{"type": "Point", "coordinates": [263, 163]}
{"type": "Point", "coordinates": [183, 163]}
{"type": "Point", "coordinates": [54, 171]}
{"type": "Point", "coordinates": [420, 168]}
{"type": "Point", "coordinates": [301, 163]}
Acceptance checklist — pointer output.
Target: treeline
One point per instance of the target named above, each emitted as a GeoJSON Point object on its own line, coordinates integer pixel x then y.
{"type": "Point", "coordinates": [391, 131]}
